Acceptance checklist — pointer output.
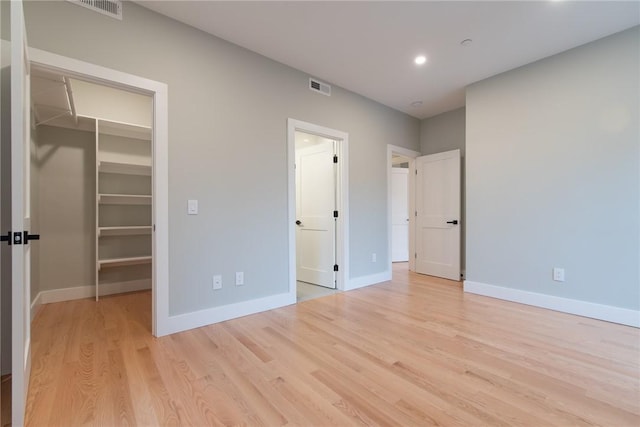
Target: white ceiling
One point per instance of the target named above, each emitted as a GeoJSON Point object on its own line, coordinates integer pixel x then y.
{"type": "Point", "coordinates": [368, 47]}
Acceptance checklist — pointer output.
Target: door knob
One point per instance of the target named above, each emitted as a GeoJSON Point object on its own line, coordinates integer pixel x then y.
{"type": "Point", "coordinates": [298, 222]}
{"type": "Point", "coordinates": [27, 237]}
{"type": "Point", "coordinates": [454, 222]}
{"type": "Point", "coordinates": [6, 238]}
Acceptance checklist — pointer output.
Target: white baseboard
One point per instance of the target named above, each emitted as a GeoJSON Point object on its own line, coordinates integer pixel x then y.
{"type": "Point", "coordinates": [361, 282]}
{"type": "Point", "coordinates": [196, 319]}
{"type": "Point", "coordinates": [609, 313]}
{"type": "Point", "coordinates": [79, 292]}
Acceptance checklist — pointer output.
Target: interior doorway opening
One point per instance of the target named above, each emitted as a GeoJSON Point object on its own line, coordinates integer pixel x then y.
{"type": "Point", "coordinates": [91, 188]}
{"type": "Point", "coordinates": [318, 210]}
{"type": "Point", "coordinates": [316, 178]}
{"type": "Point", "coordinates": [401, 168]}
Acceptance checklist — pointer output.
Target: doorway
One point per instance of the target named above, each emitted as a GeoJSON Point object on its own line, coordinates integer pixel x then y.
{"type": "Point", "coordinates": [400, 210]}
{"type": "Point", "coordinates": [316, 196]}
{"type": "Point", "coordinates": [318, 209]}
{"type": "Point", "coordinates": [401, 223]}
{"type": "Point", "coordinates": [108, 78]}
{"type": "Point", "coordinates": [91, 192]}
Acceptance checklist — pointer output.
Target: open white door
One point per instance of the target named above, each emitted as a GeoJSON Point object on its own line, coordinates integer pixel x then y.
{"type": "Point", "coordinates": [315, 222]}
{"type": "Point", "coordinates": [399, 214]}
{"type": "Point", "coordinates": [20, 215]}
{"type": "Point", "coordinates": [438, 215]}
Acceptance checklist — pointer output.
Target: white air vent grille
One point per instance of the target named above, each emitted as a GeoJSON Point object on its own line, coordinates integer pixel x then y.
{"type": "Point", "coordinates": [318, 86]}
{"type": "Point", "coordinates": [112, 8]}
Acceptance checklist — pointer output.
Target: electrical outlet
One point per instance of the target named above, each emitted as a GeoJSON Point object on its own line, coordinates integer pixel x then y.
{"type": "Point", "coordinates": [217, 282]}
{"type": "Point", "coordinates": [558, 274]}
{"type": "Point", "coordinates": [239, 278]}
{"type": "Point", "coordinates": [374, 257]}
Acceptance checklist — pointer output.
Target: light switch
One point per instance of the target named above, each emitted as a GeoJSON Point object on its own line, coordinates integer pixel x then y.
{"type": "Point", "coordinates": [192, 207]}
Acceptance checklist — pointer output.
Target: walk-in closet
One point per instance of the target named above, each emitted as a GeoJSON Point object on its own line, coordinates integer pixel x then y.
{"type": "Point", "coordinates": [91, 181]}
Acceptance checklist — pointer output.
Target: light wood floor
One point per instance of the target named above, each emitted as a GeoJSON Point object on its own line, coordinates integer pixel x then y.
{"type": "Point", "coordinates": [415, 351]}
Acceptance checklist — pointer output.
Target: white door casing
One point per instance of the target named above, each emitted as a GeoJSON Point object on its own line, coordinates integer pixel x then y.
{"type": "Point", "coordinates": [20, 215]}
{"type": "Point", "coordinates": [438, 215]}
{"type": "Point", "coordinates": [399, 215]}
{"type": "Point", "coordinates": [315, 224]}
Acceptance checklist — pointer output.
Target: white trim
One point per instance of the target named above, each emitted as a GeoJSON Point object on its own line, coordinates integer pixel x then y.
{"type": "Point", "coordinates": [342, 242]}
{"type": "Point", "coordinates": [80, 292]}
{"type": "Point", "coordinates": [372, 279]}
{"type": "Point", "coordinates": [159, 91]}
{"type": "Point", "coordinates": [609, 313]}
{"type": "Point", "coordinates": [411, 194]}
{"type": "Point", "coordinates": [196, 319]}
{"type": "Point", "coordinates": [36, 305]}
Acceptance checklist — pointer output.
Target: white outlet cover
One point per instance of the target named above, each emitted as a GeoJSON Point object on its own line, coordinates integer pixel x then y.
{"type": "Point", "coordinates": [239, 278]}
{"type": "Point", "coordinates": [217, 282]}
{"type": "Point", "coordinates": [558, 274]}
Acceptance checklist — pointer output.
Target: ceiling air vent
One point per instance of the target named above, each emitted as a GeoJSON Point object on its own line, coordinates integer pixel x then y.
{"type": "Point", "coordinates": [318, 86]}
{"type": "Point", "coordinates": [112, 8]}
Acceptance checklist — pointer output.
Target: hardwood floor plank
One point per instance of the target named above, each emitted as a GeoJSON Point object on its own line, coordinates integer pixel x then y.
{"type": "Point", "coordinates": [414, 351]}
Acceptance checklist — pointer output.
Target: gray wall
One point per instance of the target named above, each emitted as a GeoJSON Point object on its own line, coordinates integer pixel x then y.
{"type": "Point", "coordinates": [66, 212]}
{"type": "Point", "coordinates": [446, 132]}
{"type": "Point", "coordinates": [227, 146]}
{"type": "Point", "coordinates": [443, 132]}
{"type": "Point", "coordinates": [553, 174]}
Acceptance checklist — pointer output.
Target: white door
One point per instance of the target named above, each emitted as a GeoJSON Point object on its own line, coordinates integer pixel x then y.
{"type": "Point", "coordinates": [438, 215]}
{"type": "Point", "coordinates": [399, 215]}
{"type": "Point", "coordinates": [20, 221]}
{"type": "Point", "coordinates": [315, 223]}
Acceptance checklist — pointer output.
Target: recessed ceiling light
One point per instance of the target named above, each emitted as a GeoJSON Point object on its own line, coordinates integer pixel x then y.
{"type": "Point", "coordinates": [420, 59]}
{"type": "Point", "coordinates": [466, 42]}
{"type": "Point", "coordinates": [306, 140]}
{"type": "Point", "coordinates": [416, 103]}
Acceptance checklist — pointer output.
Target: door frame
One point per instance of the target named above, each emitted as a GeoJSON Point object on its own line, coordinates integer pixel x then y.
{"type": "Point", "coordinates": [160, 176]}
{"type": "Point", "coordinates": [411, 195]}
{"type": "Point", "coordinates": [342, 223]}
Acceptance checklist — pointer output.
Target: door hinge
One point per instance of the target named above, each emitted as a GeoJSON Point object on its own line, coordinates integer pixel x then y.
{"type": "Point", "coordinates": [335, 158]}
{"type": "Point", "coordinates": [415, 255]}
{"type": "Point", "coordinates": [416, 171]}
{"type": "Point", "coordinates": [335, 267]}
{"type": "Point", "coordinates": [416, 213]}
{"type": "Point", "coordinates": [335, 214]}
